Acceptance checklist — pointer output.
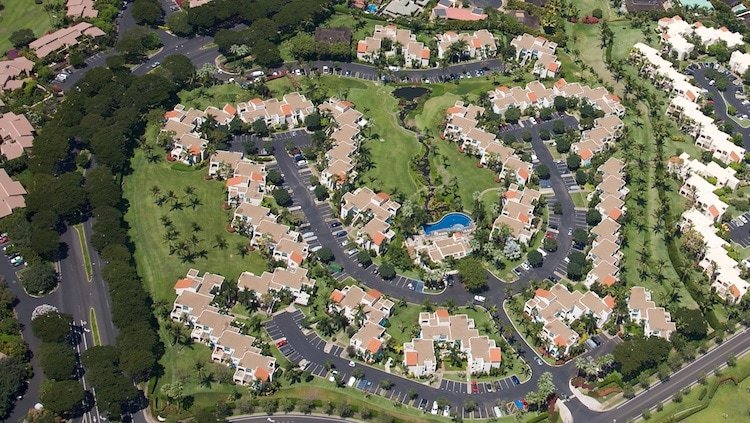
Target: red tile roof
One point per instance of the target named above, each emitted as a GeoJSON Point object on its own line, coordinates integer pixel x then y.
{"type": "Point", "coordinates": [374, 345]}
{"type": "Point", "coordinates": [411, 358]}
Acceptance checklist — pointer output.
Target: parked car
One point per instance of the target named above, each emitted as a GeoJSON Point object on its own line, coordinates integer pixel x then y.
{"type": "Point", "coordinates": [515, 380]}
{"type": "Point", "coordinates": [352, 364]}
{"type": "Point", "coordinates": [339, 234]}
{"type": "Point", "coordinates": [474, 387]}
{"type": "Point", "coordinates": [281, 342]}
{"type": "Point", "coordinates": [479, 298]}
{"type": "Point", "coordinates": [335, 224]}
{"type": "Point", "coordinates": [447, 411]}
{"type": "Point", "coordinates": [435, 407]}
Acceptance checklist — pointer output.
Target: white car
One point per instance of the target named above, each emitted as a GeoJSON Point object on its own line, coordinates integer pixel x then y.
{"type": "Point", "coordinates": [532, 120]}
{"type": "Point", "coordinates": [479, 298]}
{"type": "Point", "coordinates": [525, 265]}
{"type": "Point", "coordinates": [352, 364]}
{"type": "Point", "coordinates": [302, 163]}
{"type": "Point", "coordinates": [333, 375]}
{"type": "Point", "coordinates": [435, 407]}
{"type": "Point", "coordinates": [742, 218]}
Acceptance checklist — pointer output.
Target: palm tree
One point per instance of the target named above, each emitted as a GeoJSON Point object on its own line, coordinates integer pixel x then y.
{"type": "Point", "coordinates": [220, 242]}
{"type": "Point", "coordinates": [241, 248]}
{"type": "Point", "coordinates": [155, 190]}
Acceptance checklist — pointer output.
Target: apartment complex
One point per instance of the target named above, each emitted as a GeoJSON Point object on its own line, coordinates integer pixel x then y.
{"type": "Point", "coordinates": [294, 280]}
{"type": "Point", "coordinates": [518, 213]}
{"type": "Point", "coordinates": [557, 308]}
{"type": "Point", "coordinates": [346, 138]}
{"type": "Point", "coordinates": [436, 248]}
{"type": "Point", "coordinates": [16, 135]}
{"type": "Point", "coordinates": [368, 311]}
{"type": "Point", "coordinates": [703, 129]}
{"type": "Point", "coordinates": [188, 144]}
{"type": "Point", "coordinates": [675, 33]}
{"type": "Point", "coordinates": [605, 251]}
{"type": "Point", "coordinates": [444, 330]}
{"type": "Point", "coordinates": [539, 50]}
{"type": "Point", "coordinates": [247, 184]}
{"type": "Point", "coordinates": [605, 131]}
{"type": "Point", "coordinates": [11, 194]}
{"type": "Point", "coordinates": [13, 72]}
{"type": "Point", "coordinates": [479, 45]}
{"type": "Point", "coordinates": [685, 166]}
{"type": "Point", "coordinates": [64, 38]}
{"type": "Point", "coordinates": [415, 54]}
{"type": "Point", "coordinates": [291, 110]}
{"type": "Point", "coordinates": [193, 307]}
{"type": "Point", "coordinates": [264, 231]}
{"type": "Point", "coordinates": [656, 321]}
{"type": "Point", "coordinates": [462, 127]}
{"type": "Point", "coordinates": [662, 73]}
{"type": "Point", "coordinates": [739, 62]}
{"type": "Point", "coordinates": [372, 213]}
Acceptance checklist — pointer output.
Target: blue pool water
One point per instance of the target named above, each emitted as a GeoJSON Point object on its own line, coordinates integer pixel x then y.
{"type": "Point", "coordinates": [449, 222]}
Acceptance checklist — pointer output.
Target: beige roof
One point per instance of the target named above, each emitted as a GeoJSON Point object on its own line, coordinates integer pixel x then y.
{"type": "Point", "coordinates": [11, 194]}
{"type": "Point", "coordinates": [424, 350]}
{"type": "Point", "coordinates": [640, 300]}
{"type": "Point", "coordinates": [658, 320]}
{"type": "Point", "coordinates": [254, 213]}
{"type": "Point", "coordinates": [293, 279]}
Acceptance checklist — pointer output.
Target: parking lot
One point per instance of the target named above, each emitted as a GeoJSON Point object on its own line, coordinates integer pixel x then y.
{"type": "Point", "coordinates": [739, 229]}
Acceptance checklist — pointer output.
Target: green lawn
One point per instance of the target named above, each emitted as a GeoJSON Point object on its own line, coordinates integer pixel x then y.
{"type": "Point", "coordinates": [404, 324]}
{"type": "Point", "coordinates": [579, 199]}
{"type": "Point", "coordinates": [730, 402]}
{"type": "Point", "coordinates": [449, 163]}
{"type": "Point", "coordinates": [432, 117]}
{"type": "Point", "coordinates": [156, 266]}
{"type": "Point", "coordinates": [21, 14]}
{"type": "Point", "coordinates": [216, 95]}
{"type": "Point", "coordinates": [587, 6]}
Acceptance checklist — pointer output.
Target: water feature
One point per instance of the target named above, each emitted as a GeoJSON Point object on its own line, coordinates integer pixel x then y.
{"type": "Point", "coordinates": [410, 93]}
{"type": "Point", "coordinates": [449, 222]}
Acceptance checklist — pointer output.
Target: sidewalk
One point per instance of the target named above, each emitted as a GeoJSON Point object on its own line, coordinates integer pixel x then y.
{"type": "Point", "coordinates": [586, 400]}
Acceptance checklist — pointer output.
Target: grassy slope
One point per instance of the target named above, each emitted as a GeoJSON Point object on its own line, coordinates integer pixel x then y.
{"type": "Point", "coordinates": [21, 14]}
{"type": "Point", "coordinates": [217, 95]}
{"type": "Point", "coordinates": [158, 269]}
{"type": "Point", "coordinates": [445, 158]}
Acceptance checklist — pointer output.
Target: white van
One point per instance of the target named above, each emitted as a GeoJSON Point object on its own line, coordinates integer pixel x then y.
{"type": "Point", "coordinates": [351, 381]}
{"type": "Point", "coordinates": [257, 73]}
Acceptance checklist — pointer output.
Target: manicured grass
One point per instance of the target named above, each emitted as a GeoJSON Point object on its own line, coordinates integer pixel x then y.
{"type": "Point", "coordinates": [450, 163]}
{"type": "Point", "coordinates": [216, 95]}
{"type": "Point", "coordinates": [404, 324]}
{"type": "Point", "coordinates": [729, 402]}
{"type": "Point", "coordinates": [587, 6]}
{"type": "Point", "coordinates": [156, 266]}
{"type": "Point", "coordinates": [81, 231]}
{"type": "Point", "coordinates": [94, 327]}
{"type": "Point", "coordinates": [579, 199]}
{"type": "Point", "coordinates": [393, 149]}
{"type": "Point", "coordinates": [432, 117]}
{"type": "Point", "coordinates": [21, 14]}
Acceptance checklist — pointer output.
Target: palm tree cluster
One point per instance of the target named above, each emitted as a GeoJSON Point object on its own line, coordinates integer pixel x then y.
{"type": "Point", "coordinates": [187, 248]}
{"type": "Point", "coordinates": [330, 323]}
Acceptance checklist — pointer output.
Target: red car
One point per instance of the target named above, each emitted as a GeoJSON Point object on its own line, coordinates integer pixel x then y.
{"type": "Point", "coordinates": [281, 342]}
{"type": "Point", "coordinates": [474, 387]}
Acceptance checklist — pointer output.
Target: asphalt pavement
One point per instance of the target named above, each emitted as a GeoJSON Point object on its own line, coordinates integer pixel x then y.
{"type": "Point", "coordinates": [724, 99]}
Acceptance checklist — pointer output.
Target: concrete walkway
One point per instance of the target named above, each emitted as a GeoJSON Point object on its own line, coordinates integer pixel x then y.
{"type": "Point", "coordinates": [586, 400]}
{"type": "Point", "coordinates": [565, 414]}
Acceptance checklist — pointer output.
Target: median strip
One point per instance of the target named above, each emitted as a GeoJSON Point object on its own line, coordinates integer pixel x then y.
{"type": "Point", "coordinates": [94, 327]}
{"type": "Point", "coordinates": [85, 249]}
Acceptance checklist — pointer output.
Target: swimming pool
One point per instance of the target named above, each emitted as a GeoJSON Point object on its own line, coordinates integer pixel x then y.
{"type": "Point", "coordinates": [449, 222]}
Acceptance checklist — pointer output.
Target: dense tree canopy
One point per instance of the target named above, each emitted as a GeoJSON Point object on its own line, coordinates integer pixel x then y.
{"type": "Point", "coordinates": [39, 278]}
{"type": "Point", "coordinates": [52, 327]}
{"type": "Point", "coordinates": [637, 354]}
{"type": "Point", "coordinates": [471, 271]}
{"type": "Point", "coordinates": [62, 397]}
{"type": "Point", "coordinates": [57, 360]}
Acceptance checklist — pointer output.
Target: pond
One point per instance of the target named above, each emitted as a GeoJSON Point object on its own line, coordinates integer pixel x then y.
{"type": "Point", "coordinates": [410, 93]}
{"type": "Point", "coordinates": [449, 222]}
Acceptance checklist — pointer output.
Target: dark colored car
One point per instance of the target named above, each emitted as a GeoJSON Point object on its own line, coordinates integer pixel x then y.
{"type": "Point", "coordinates": [515, 380]}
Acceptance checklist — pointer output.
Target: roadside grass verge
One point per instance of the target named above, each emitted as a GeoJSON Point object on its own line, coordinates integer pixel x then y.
{"type": "Point", "coordinates": [94, 327]}
{"type": "Point", "coordinates": [216, 95]}
{"type": "Point", "coordinates": [81, 231]}
{"type": "Point", "coordinates": [721, 398]}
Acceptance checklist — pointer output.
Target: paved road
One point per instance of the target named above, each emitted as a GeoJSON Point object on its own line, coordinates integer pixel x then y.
{"type": "Point", "coordinates": [75, 295]}
{"type": "Point", "coordinates": [372, 73]}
